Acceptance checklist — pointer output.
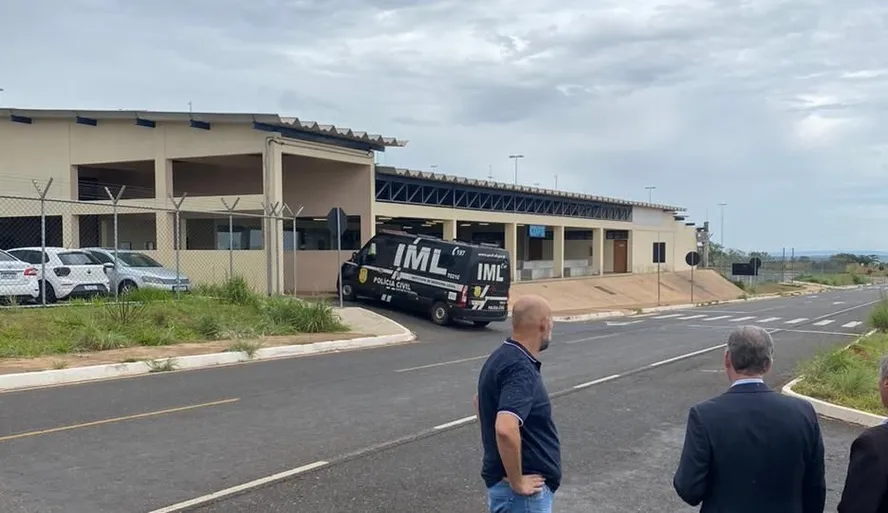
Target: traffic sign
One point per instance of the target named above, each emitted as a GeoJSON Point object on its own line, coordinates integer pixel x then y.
{"type": "Point", "coordinates": [337, 221]}
{"type": "Point", "coordinates": [755, 262]}
{"type": "Point", "coordinates": [692, 258]}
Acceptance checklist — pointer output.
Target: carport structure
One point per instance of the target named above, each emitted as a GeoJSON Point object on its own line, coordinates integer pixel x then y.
{"type": "Point", "coordinates": [260, 160]}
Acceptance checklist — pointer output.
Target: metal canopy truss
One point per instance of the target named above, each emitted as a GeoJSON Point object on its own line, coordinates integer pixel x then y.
{"type": "Point", "coordinates": [398, 189]}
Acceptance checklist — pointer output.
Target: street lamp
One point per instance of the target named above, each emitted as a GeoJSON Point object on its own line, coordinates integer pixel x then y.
{"type": "Point", "coordinates": [515, 158]}
{"type": "Point", "coordinates": [650, 190]}
{"type": "Point", "coordinates": [722, 207]}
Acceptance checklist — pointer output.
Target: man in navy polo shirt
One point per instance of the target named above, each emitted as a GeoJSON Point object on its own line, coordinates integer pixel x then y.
{"type": "Point", "coordinates": [522, 454]}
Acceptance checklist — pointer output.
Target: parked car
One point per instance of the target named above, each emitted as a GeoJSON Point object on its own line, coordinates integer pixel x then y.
{"type": "Point", "coordinates": [136, 270]}
{"type": "Point", "coordinates": [17, 279]}
{"type": "Point", "coordinates": [69, 272]}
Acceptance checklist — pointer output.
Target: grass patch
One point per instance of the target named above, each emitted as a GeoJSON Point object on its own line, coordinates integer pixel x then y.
{"type": "Point", "coordinates": [223, 312]}
{"type": "Point", "coordinates": [878, 317]}
{"type": "Point", "coordinates": [245, 346]}
{"type": "Point", "coordinates": [834, 280]}
{"type": "Point", "coordinates": [847, 377]}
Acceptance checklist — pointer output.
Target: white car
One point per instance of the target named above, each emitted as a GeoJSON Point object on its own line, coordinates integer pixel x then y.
{"type": "Point", "coordinates": [69, 272]}
{"type": "Point", "coordinates": [17, 279]}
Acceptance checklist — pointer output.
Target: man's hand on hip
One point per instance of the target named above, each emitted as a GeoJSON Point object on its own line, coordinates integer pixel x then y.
{"type": "Point", "coordinates": [528, 484]}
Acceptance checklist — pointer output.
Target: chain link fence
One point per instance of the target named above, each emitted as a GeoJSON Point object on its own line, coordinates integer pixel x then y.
{"type": "Point", "coordinates": [175, 245]}
{"type": "Point", "coordinates": [828, 269]}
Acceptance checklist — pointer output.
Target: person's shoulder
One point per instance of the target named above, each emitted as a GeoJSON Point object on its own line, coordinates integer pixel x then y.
{"type": "Point", "coordinates": [877, 436]}
{"type": "Point", "coordinates": [795, 403]}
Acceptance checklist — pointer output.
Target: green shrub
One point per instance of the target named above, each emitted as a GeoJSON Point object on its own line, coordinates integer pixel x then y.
{"type": "Point", "coordinates": [296, 316]}
{"type": "Point", "coordinates": [208, 325]}
{"type": "Point", "coordinates": [740, 284]}
{"type": "Point", "coordinates": [235, 291]}
{"type": "Point", "coordinates": [878, 317]}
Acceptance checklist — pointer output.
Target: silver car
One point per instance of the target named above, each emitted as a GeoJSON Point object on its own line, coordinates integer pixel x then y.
{"type": "Point", "coordinates": [138, 270]}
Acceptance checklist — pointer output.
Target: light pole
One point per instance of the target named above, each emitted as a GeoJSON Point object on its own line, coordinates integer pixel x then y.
{"type": "Point", "coordinates": [722, 235]}
{"type": "Point", "coordinates": [556, 182]}
{"type": "Point", "coordinates": [650, 190]}
{"type": "Point", "coordinates": [515, 158]}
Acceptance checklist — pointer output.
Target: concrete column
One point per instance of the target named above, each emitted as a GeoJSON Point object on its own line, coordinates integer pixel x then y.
{"type": "Point", "coordinates": [165, 222]}
{"type": "Point", "coordinates": [511, 240]}
{"type": "Point", "coordinates": [598, 251]}
{"type": "Point", "coordinates": [449, 230]}
{"type": "Point", "coordinates": [70, 231]}
{"type": "Point", "coordinates": [370, 223]}
{"type": "Point", "coordinates": [273, 164]}
{"type": "Point", "coordinates": [558, 252]}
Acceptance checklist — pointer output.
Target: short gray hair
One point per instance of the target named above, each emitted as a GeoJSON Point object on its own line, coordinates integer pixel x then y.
{"type": "Point", "coordinates": [884, 374]}
{"type": "Point", "coordinates": [751, 350]}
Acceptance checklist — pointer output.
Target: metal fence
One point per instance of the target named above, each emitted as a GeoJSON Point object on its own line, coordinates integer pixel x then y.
{"type": "Point", "coordinates": [194, 242]}
{"type": "Point", "coordinates": [784, 268]}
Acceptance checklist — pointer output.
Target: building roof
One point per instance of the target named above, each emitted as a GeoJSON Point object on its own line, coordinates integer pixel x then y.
{"type": "Point", "coordinates": [267, 120]}
{"type": "Point", "coordinates": [440, 177]}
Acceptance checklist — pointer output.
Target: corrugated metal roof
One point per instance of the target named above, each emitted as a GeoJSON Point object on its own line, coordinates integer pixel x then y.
{"type": "Point", "coordinates": [440, 177]}
{"type": "Point", "coordinates": [211, 117]}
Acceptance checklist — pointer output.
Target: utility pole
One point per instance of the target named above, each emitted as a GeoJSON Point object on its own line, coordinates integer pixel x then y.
{"type": "Point", "coordinates": [722, 232]}
{"type": "Point", "coordinates": [556, 182]}
{"type": "Point", "coordinates": [515, 158]}
{"type": "Point", "coordinates": [490, 172]}
{"type": "Point", "coordinates": [650, 190]}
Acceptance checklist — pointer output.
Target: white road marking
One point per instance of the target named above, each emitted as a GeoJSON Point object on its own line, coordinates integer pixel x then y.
{"type": "Point", "coordinates": [439, 364]}
{"type": "Point", "coordinates": [838, 302]}
{"type": "Point", "coordinates": [824, 322]}
{"type": "Point", "coordinates": [686, 356]}
{"type": "Point", "coordinates": [852, 324]}
{"type": "Point", "coordinates": [458, 422]}
{"type": "Point", "coordinates": [596, 337]}
{"type": "Point", "coordinates": [770, 319]}
{"type": "Point", "coordinates": [239, 488]}
{"type": "Point", "coordinates": [718, 317]}
{"type": "Point", "coordinates": [620, 323]}
{"type": "Point", "coordinates": [796, 321]}
{"type": "Point", "coordinates": [691, 317]}
{"type": "Point", "coordinates": [597, 381]}
{"type": "Point", "coordinates": [667, 316]}
{"type": "Point", "coordinates": [738, 319]}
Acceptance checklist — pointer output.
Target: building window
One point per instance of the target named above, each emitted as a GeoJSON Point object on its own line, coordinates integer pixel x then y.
{"type": "Point", "coordinates": [659, 252]}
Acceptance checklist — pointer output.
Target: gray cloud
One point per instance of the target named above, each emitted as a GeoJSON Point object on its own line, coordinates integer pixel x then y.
{"type": "Point", "coordinates": [776, 107]}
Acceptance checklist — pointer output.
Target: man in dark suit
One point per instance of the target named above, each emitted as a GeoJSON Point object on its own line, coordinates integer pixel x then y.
{"type": "Point", "coordinates": [866, 486]}
{"type": "Point", "coordinates": [752, 449]}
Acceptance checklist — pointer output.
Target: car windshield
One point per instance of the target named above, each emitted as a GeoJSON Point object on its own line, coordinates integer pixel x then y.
{"type": "Point", "coordinates": [137, 260]}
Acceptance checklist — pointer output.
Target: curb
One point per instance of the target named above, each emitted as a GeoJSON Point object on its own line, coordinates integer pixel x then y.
{"type": "Point", "coordinates": [834, 411]}
{"type": "Point", "coordinates": [654, 309]}
{"type": "Point", "coordinates": [9, 382]}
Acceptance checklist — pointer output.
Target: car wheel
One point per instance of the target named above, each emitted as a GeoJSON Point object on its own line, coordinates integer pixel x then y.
{"type": "Point", "coordinates": [126, 287]}
{"type": "Point", "coordinates": [440, 313]}
{"type": "Point", "coordinates": [50, 293]}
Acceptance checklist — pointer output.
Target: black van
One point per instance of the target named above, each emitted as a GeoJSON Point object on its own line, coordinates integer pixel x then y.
{"type": "Point", "coordinates": [449, 279]}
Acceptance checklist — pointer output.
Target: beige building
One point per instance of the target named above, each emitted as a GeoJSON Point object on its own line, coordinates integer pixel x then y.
{"type": "Point", "coordinates": [209, 161]}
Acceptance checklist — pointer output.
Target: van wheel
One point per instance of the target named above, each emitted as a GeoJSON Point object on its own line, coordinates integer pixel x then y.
{"type": "Point", "coordinates": [348, 292]}
{"type": "Point", "coordinates": [481, 324]}
{"type": "Point", "coordinates": [440, 313]}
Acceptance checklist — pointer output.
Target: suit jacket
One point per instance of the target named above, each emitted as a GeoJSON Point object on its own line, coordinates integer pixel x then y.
{"type": "Point", "coordinates": [752, 450]}
{"type": "Point", "coordinates": [866, 486]}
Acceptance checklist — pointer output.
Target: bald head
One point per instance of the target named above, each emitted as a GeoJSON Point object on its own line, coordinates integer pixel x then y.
{"type": "Point", "coordinates": [532, 322]}
{"type": "Point", "coordinates": [529, 312]}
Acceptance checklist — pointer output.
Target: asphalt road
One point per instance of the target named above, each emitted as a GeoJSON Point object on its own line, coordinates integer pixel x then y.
{"type": "Point", "coordinates": [372, 414]}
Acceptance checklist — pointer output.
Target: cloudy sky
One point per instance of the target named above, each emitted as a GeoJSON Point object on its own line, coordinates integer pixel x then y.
{"type": "Point", "coordinates": [775, 107]}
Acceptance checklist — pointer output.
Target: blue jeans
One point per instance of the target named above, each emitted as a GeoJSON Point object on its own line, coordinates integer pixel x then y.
{"type": "Point", "coordinates": [501, 499]}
